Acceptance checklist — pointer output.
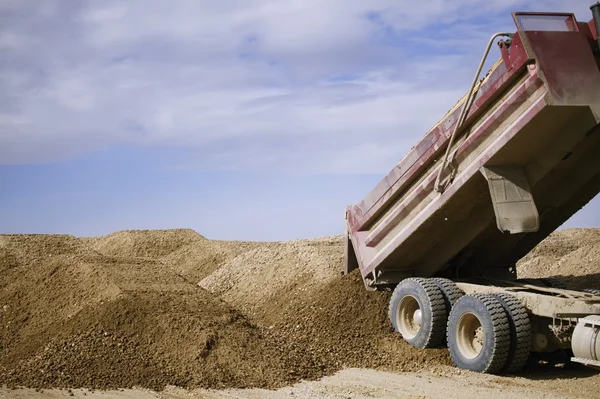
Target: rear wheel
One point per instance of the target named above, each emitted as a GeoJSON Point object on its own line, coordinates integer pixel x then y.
{"type": "Point", "coordinates": [451, 294]}
{"type": "Point", "coordinates": [478, 334]}
{"type": "Point", "coordinates": [450, 291]}
{"type": "Point", "coordinates": [520, 332]}
{"type": "Point", "coordinates": [418, 312]}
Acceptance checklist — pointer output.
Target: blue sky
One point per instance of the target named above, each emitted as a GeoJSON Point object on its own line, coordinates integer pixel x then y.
{"type": "Point", "coordinates": [256, 120]}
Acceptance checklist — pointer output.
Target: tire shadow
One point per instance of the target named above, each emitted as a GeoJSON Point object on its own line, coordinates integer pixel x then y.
{"type": "Point", "coordinates": [556, 365]}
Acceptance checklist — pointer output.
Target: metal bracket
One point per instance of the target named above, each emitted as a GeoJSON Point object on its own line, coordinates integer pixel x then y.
{"type": "Point", "coordinates": [388, 277]}
{"type": "Point", "coordinates": [593, 320]}
{"type": "Point", "coordinates": [575, 316]}
{"type": "Point", "coordinates": [350, 260]}
{"type": "Point", "coordinates": [511, 195]}
{"type": "Point", "coordinates": [586, 362]}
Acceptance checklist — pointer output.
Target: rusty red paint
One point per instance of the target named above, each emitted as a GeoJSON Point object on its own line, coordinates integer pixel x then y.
{"type": "Point", "coordinates": [433, 143]}
{"type": "Point", "coordinates": [568, 66]}
{"type": "Point", "coordinates": [428, 148]}
{"type": "Point", "coordinates": [516, 98]}
{"type": "Point", "coordinates": [458, 182]}
{"type": "Point", "coordinates": [560, 61]}
{"type": "Point", "coordinates": [591, 29]}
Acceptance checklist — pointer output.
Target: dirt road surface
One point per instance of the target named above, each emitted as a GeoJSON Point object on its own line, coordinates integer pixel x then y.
{"type": "Point", "coordinates": [364, 383]}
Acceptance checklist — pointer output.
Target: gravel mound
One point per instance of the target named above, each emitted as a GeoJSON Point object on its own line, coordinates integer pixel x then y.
{"type": "Point", "coordinates": [268, 277]}
{"type": "Point", "coordinates": [46, 280]}
{"type": "Point", "coordinates": [201, 258]}
{"type": "Point", "coordinates": [327, 321]}
{"type": "Point", "coordinates": [342, 325]}
{"type": "Point", "coordinates": [143, 243]}
{"type": "Point", "coordinates": [70, 317]}
{"type": "Point", "coordinates": [154, 339]}
{"type": "Point", "coordinates": [570, 258]}
{"type": "Point", "coordinates": [158, 308]}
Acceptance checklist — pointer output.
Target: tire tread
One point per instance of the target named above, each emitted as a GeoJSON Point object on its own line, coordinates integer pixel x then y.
{"type": "Point", "coordinates": [521, 334]}
{"type": "Point", "coordinates": [500, 330]}
{"type": "Point", "coordinates": [437, 310]}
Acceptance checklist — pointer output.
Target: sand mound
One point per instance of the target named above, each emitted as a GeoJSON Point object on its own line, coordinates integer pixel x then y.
{"type": "Point", "coordinates": [20, 249]}
{"type": "Point", "coordinates": [154, 339]}
{"type": "Point", "coordinates": [71, 317]}
{"type": "Point", "coordinates": [343, 325]}
{"type": "Point", "coordinates": [269, 276]}
{"type": "Point", "coordinates": [45, 281]}
{"type": "Point", "coordinates": [127, 310]}
{"type": "Point", "coordinates": [79, 318]}
{"type": "Point", "coordinates": [329, 321]}
{"type": "Point", "coordinates": [199, 259]}
{"type": "Point", "coordinates": [143, 243]}
{"type": "Point", "coordinates": [570, 258]}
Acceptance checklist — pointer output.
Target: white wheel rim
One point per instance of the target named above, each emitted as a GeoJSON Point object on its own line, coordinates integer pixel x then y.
{"type": "Point", "coordinates": [409, 317]}
{"type": "Point", "coordinates": [469, 336]}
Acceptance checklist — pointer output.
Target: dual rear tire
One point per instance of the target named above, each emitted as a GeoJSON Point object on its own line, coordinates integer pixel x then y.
{"type": "Point", "coordinates": [478, 334]}
{"type": "Point", "coordinates": [418, 312]}
{"type": "Point", "coordinates": [487, 333]}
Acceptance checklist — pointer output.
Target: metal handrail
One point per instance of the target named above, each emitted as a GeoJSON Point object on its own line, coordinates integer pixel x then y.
{"type": "Point", "coordinates": [464, 111]}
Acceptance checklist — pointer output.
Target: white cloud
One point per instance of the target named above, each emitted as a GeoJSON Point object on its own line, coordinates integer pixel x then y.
{"type": "Point", "coordinates": [336, 86]}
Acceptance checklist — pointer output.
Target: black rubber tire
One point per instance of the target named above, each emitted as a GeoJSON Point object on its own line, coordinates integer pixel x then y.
{"type": "Point", "coordinates": [433, 311]}
{"type": "Point", "coordinates": [450, 290]}
{"type": "Point", "coordinates": [520, 333]}
{"type": "Point", "coordinates": [496, 333]}
{"type": "Point", "coordinates": [451, 294]}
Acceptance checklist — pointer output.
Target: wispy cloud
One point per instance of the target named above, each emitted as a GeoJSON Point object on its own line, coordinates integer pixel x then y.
{"type": "Point", "coordinates": [334, 86]}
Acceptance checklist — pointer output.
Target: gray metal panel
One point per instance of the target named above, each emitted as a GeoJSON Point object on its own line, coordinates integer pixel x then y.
{"type": "Point", "coordinates": [586, 362]}
{"type": "Point", "coordinates": [511, 196]}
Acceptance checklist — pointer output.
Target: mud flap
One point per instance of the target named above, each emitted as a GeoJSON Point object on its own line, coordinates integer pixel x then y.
{"type": "Point", "coordinates": [511, 195]}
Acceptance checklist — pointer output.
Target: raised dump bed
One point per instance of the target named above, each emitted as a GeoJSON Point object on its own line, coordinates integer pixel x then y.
{"type": "Point", "coordinates": [512, 161]}
{"type": "Point", "coordinates": [525, 159]}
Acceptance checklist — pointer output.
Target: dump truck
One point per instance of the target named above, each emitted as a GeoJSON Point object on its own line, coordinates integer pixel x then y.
{"type": "Point", "coordinates": [515, 158]}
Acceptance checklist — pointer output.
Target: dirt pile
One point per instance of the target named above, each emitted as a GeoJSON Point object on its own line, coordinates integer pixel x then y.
{"type": "Point", "coordinates": [267, 278]}
{"type": "Point", "coordinates": [204, 257]}
{"type": "Point", "coordinates": [143, 243]}
{"type": "Point", "coordinates": [44, 282]}
{"type": "Point", "coordinates": [21, 249]}
{"type": "Point", "coordinates": [154, 339]}
{"type": "Point", "coordinates": [327, 321]}
{"type": "Point", "coordinates": [570, 257]}
{"type": "Point", "coordinates": [184, 250]}
{"type": "Point", "coordinates": [70, 317]}
{"type": "Point", "coordinates": [121, 311]}
{"type": "Point", "coordinates": [157, 308]}
{"type": "Point", "coordinates": [341, 325]}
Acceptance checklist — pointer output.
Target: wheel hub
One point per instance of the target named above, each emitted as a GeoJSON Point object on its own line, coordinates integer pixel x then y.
{"type": "Point", "coordinates": [470, 337]}
{"type": "Point", "coordinates": [409, 317]}
{"type": "Point", "coordinates": [418, 317]}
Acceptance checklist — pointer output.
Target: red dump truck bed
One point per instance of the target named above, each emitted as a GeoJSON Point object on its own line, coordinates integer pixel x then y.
{"type": "Point", "coordinates": [526, 158]}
